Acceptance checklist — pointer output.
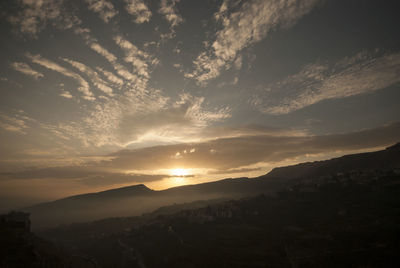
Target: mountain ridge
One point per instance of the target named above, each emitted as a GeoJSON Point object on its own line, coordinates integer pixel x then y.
{"type": "Point", "coordinates": [361, 161]}
{"type": "Point", "coordinates": [138, 199]}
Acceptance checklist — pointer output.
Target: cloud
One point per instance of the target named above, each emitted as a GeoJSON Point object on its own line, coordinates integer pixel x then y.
{"type": "Point", "coordinates": [218, 132]}
{"type": "Point", "coordinates": [86, 175]}
{"type": "Point", "coordinates": [135, 114]}
{"type": "Point", "coordinates": [175, 121]}
{"type": "Point", "coordinates": [111, 58]}
{"type": "Point", "coordinates": [94, 77]}
{"type": "Point", "coordinates": [26, 69]}
{"type": "Point", "coordinates": [177, 65]}
{"type": "Point", "coordinates": [243, 154]}
{"type": "Point", "coordinates": [238, 63]}
{"type": "Point", "coordinates": [17, 122]}
{"type": "Point", "coordinates": [133, 55]}
{"type": "Point", "coordinates": [145, 118]}
{"type": "Point", "coordinates": [66, 94]}
{"type": "Point", "coordinates": [138, 9]}
{"type": "Point", "coordinates": [111, 77]}
{"type": "Point", "coordinates": [139, 59]}
{"type": "Point", "coordinates": [84, 86]}
{"type": "Point", "coordinates": [360, 74]}
{"type": "Point", "coordinates": [33, 16]}
{"type": "Point", "coordinates": [103, 52]}
{"type": "Point", "coordinates": [104, 8]}
{"type": "Point", "coordinates": [169, 11]}
{"type": "Point", "coordinates": [246, 151]}
{"type": "Point", "coordinates": [251, 23]}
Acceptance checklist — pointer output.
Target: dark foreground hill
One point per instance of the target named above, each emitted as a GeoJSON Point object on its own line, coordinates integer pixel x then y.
{"type": "Point", "coordinates": [19, 247]}
{"type": "Point", "coordinates": [346, 220]}
{"type": "Point", "coordinates": [138, 199]}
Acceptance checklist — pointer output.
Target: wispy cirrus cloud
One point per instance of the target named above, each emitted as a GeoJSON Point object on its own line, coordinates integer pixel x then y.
{"type": "Point", "coordinates": [111, 77]}
{"type": "Point", "coordinates": [139, 10]}
{"type": "Point", "coordinates": [133, 55]}
{"type": "Point", "coordinates": [93, 75]}
{"type": "Point", "coordinates": [252, 21]}
{"type": "Point", "coordinates": [26, 69]}
{"type": "Point", "coordinates": [137, 112]}
{"type": "Point", "coordinates": [362, 73]}
{"type": "Point", "coordinates": [93, 44]}
{"type": "Point", "coordinates": [173, 121]}
{"type": "Point", "coordinates": [219, 132]}
{"type": "Point", "coordinates": [139, 59]}
{"type": "Point", "coordinates": [134, 118]}
{"type": "Point", "coordinates": [105, 9]}
{"type": "Point", "coordinates": [84, 87]}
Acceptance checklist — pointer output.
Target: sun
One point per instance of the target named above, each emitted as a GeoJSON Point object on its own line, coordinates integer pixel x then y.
{"type": "Point", "coordinates": [181, 172]}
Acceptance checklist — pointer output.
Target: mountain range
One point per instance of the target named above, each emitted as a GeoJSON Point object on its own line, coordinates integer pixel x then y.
{"type": "Point", "coordinates": [139, 199]}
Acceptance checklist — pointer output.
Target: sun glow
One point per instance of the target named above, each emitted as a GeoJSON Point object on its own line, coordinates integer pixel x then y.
{"type": "Point", "coordinates": [179, 172]}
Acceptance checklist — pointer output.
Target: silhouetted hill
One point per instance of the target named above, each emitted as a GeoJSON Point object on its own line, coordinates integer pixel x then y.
{"type": "Point", "coordinates": [139, 189]}
{"type": "Point", "coordinates": [351, 220]}
{"type": "Point", "coordinates": [385, 159]}
{"type": "Point", "coordinates": [135, 200]}
{"type": "Point", "coordinates": [123, 201]}
{"type": "Point", "coordinates": [138, 199]}
{"type": "Point", "coordinates": [124, 192]}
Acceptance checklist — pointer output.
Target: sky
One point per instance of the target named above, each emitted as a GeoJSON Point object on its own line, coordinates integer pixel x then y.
{"type": "Point", "coordinates": [98, 94]}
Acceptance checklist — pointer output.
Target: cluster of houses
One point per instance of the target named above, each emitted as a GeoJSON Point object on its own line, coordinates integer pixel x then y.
{"type": "Point", "coordinates": [343, 178]}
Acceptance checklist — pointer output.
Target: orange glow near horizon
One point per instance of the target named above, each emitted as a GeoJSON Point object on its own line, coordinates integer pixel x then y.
{"type": "Point", "coordinates": [179, 180]}
{"type": "Point", "coordinates": [178, 176]}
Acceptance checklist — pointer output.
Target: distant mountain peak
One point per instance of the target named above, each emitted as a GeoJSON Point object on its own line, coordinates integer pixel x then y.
{"type": "Point", "coordinates": [137, 186]}
{"type": "Point", "coordinates": [133, 189]}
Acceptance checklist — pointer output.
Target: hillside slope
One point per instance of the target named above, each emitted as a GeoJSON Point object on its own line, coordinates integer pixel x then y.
{"type": "Point", "coordinates": [349, 222]}
{"type": "Point", "coordinates": [138, 199]}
